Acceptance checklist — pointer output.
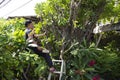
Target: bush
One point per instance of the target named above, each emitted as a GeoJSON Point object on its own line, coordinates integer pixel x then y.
{"type": "Point", "coordinates": [90, 63]}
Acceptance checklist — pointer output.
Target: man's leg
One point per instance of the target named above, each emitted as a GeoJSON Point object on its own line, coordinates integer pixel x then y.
{"type": "Point", "coordinates": [42, 49]}
{"type": "Point", "coordinates": [45, 56]}
{"type": "Point", "coordinates": [47, 59]}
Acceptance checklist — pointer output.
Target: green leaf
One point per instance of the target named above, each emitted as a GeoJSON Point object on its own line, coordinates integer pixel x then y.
{"type": "Point", "coordinates": [90, 69]}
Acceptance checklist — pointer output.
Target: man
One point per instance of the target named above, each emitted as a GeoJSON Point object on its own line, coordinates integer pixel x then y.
{"type": "Point", "coordinates": [35, 46]}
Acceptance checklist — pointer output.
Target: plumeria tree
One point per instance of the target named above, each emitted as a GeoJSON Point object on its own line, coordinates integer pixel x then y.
{"type": "Point", "coordinates": [75, 19]}
{"type": "Point", "coordinates": [70, 24]}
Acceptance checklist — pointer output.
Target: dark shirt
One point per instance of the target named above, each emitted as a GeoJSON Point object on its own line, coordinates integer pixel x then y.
{"type": "Point", "coordinates": [27, 31]}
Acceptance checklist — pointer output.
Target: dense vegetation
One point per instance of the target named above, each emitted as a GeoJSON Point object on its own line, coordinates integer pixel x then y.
{"type": "Point", "coordinates": [69, 25]}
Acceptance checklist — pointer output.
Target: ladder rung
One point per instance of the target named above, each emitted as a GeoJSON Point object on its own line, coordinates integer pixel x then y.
{"type": "Point", "coordinates": [58, 72]}
{"type": "Point", "coordinates": [57, 60]}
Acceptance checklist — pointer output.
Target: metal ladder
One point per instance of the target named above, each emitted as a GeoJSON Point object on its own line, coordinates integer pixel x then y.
{"type": "Point", "coordinates": [62, 69]}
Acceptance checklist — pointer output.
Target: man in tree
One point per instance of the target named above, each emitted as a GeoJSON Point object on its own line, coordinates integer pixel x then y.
{"type": "Point", "coordinates": [35, 46]}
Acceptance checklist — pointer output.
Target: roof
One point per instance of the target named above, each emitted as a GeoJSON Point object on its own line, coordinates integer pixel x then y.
{"type": "Point", "coordinates": [33, 18]}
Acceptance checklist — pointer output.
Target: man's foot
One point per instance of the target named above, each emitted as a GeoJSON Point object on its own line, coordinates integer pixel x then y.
{"type": "Point", "coordinates": [52, 69]}
{"type": "Point", "coordinates": [45, 51]}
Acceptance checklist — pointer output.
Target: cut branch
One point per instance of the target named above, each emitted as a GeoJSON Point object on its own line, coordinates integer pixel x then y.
{"type": "Point", "coordinates": [110, 27]}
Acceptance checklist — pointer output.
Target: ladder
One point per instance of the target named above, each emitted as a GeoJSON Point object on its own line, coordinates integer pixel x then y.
{"type": "Point", "coordinates": [62, 69]}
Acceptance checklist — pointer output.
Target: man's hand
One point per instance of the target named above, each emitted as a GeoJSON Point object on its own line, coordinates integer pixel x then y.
{"type": "Point", "coordinates": [39, 35]}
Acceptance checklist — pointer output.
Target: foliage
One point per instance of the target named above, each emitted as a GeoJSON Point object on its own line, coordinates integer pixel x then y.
{"type": "Point", "coordinates": [86, 63]}
{"type": "Point", "coordinates": [75, 19]}
{"type": "Point", "coordinates": [69, 25]}
{"type": "Point", "coordinates": [111, 12]}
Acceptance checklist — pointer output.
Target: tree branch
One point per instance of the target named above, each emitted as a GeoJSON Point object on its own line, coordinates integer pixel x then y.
{"type": "Point", "coordinates": [73, 11]}
{"type": "Point", "coordinates": [110, 27]}
{"type": "Point", "coordinates": [79, 3]}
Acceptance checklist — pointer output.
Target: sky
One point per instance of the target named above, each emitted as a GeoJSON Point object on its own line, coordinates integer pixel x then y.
{"type": "Point", "coordinates": [13, 8]}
